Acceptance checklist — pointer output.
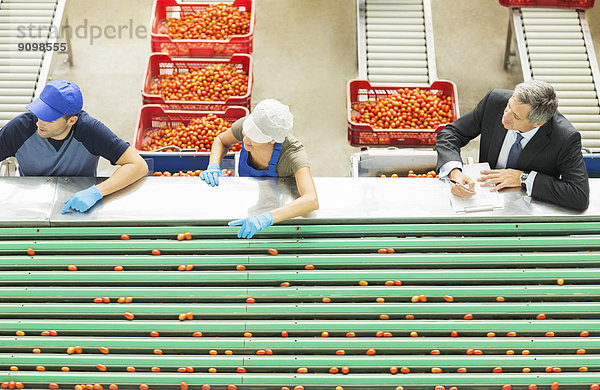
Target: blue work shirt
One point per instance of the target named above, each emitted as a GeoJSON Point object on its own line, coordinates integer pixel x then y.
{"type": "Point", "coordinates": [76, 155]}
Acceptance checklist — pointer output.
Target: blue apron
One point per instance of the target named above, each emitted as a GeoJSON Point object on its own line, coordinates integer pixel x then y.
{"type": "Point", "coordinates": [246, 170]}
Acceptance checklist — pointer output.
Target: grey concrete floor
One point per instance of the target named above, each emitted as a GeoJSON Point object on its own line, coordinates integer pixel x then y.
{"type": "Point", "coordinates": [304, 54]}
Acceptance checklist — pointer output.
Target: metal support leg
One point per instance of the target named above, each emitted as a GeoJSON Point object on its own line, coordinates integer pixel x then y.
{"type": "Point", "coordinates": [508, 52]}
{"type": "Point", "coordinates": [69, 52]}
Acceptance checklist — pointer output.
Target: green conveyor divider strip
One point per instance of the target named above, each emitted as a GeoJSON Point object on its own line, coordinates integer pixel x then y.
{"type": "Point", "coordinates": [587, 242]}
{"type": "Point", "coordinates": [347, 260]}
{"type": "Point", "coordinates": [120, 361]}
{"type": "Point", "coordinates": [435, 293]}
{"type": "Point", "coordinates": [281, 344]}
{"type": "Point", "coordinates": [303, 309]}
{"type": "Point", "coordinates": [194, 379]}
{"type": "Point", "coordinates": [307, 230]}
{"type": "Point", "coordinates": [305, 326]}
{"type": "Point", "coordinates": [276, 277]}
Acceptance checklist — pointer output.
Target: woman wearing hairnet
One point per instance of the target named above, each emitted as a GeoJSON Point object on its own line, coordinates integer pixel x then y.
{"type": "Point", "coordinates": [268, 149]}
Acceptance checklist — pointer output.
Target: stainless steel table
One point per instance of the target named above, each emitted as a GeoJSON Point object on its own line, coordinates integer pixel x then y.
{"type": "Point", "coordinates": [37, 201]}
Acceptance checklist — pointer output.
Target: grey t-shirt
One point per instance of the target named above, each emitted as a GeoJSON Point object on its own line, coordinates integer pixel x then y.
{"type": "Point", "coordinates": [292, 156]}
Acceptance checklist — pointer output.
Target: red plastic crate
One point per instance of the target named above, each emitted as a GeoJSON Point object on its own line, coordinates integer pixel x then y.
{"type": "Point", "coordinates": [361, 134]}
{"type": "Point", "coordinates": [162, 64]}
{"type": "Point", "coordinates": [152, 117]}
{"type": "Point", "coordinates": [574, 4]}
{"type": "Point", "coordinates": [392, 138]}
{"type": "Point", "coordinates": [161, 42]}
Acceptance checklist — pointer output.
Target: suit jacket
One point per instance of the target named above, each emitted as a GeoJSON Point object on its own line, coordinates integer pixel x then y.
{"type": "Point", "coordinates": [554, 152]}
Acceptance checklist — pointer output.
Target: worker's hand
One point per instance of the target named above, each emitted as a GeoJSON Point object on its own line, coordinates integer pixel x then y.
{"type": "Point", "coordinates": [81, 201]}
{"type": "Point", "coordinates": [252, 225]}
{"type": "Point", "coordinates": [458, 176]}
{"type": "Point", "coordinates": [500, 178]}
{"type": "Point", "coordinates": [211, 174]}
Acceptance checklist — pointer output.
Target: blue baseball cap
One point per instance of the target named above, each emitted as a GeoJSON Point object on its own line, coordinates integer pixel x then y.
{"type": "Point", "coordinates": [59, 98]}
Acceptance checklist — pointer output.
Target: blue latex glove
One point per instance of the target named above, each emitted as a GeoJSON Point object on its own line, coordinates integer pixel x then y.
{"type": "Point", "coordinates": [211, 174]}
{"type": "Point", "coordinates": [252, 225]}
{"type": "Point", "coordinates": [81, 201]}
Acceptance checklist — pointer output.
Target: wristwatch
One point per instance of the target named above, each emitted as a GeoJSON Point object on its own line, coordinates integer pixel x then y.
{"type": "Point", "coordinates": [523, 179]}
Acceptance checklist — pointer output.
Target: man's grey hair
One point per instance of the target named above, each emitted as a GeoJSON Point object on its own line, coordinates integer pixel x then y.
{"type": "Point", "coordinates": [540, 96]}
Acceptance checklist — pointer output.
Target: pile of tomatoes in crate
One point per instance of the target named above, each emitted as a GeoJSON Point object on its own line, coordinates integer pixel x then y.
{"type": "Point", "coordinates": [217, 21]}
{"type": "Point", "coordinates": [225, 172]}
{"type": "Point", "coordinates": [407, 108]}
{"type": "Point", "coordinates": [411, 173]}
{"type": "Point", "coordinates": [198, 134]}
{"type": "Point", "coordinates": [215, 82]}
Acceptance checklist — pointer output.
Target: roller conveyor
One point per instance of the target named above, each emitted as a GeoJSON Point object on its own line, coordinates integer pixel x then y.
{"type": "Point", "coordinates": [555, 45]}
{"type": "Point", "coordinates": [23, 73]}
{"type": "Point", "coordinates": [395, 41]}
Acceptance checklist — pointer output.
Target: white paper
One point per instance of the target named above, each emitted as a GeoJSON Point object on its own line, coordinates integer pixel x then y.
{"type": "Point", "coordinates": [483, 200]}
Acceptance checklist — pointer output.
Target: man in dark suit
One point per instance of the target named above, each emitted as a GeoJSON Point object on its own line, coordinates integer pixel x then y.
{"type": "Point", "coordinates": [526, 141]}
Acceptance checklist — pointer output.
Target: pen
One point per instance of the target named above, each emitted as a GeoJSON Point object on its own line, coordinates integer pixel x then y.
{"type": "Point", "coordinates": [460, 185]}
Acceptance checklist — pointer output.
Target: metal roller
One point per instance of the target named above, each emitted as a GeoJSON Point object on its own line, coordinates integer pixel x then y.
{"type": "Point", "coordinates": [562, 71]}
{"type": "Point", "coordinates": [13, 108]}
{"type": "Point", "coordinates": [27, 12]}
{"type": "Point", "coordinates": [24, 33]}
{"type": "Point", "coordinates": [15, 41]}
{"type": "Point", "coordinates": [10, 26]}
{"type": "Point", "coordinates": [554, 42]}
{"type": "Point", "coordinates": [15, 99]}
{"type": "Point", "coordinates": [397, 56]}
{"type": "Point", "coordinates": [577, 118]}
{"type": "Point", "coordinates": [559, 64]}
{"type": "Point", "coordinates": [577, 102]}
{"type": "Point", "coordinates": [396, 42]}
{"type": "Point", "coordinates": [565, 94]}
{"type": "Point", "coordinates": [567, 28]}
{"type": "Point", "coordinates": [394, 14]}
{"type": "Point", "coordinates": [18, 76]}
{"type": "Point", "coordinates": [21, 54]}
{"type": "Point", "coordinates": [533, 14]}
{"type": "Point", "coordinates": [553, 35]}
{"type": "Point", "coordinates": [394, 7]}
{"type": "Point", "coordinates": [391, 71]}
{"type": "Point", "coordinates": [567, 79]}
{"type": "Point", "coordinates": [398, 79]}
{"type": "Point", "coordinates": [588, 131]}
{"type": "Point", "coordinates": [7, 115]}
{"type": "Point", "coordinates": [29, 6]}
{"type": "Point", "coordinates": [397, 64]}
{"type": "Point", "coordinates": [558, 56]}
{"type": "Point", "coordinates": [17, 92]}
{"type": "Point", "coordinates": [25, 20]}
{"type": "Point", "coordinates": [576, 110]}
{"type": "Point", "coordinates": [371, 20]}
{"type": "Point", "coordinates": [395, 27]}
{"type": "Point", "coordinates": [8, 84]}
{"type": "Point", "coordinates": [19, 69]}
{"type": "Point", "coordinates": [396, 34]}
{"type": "Point", "coordinates": [545, 22]}
{"type": "Point", "coordinates": [20, 61]}
{"type": "Point", "coordinates": [557, 49]}
{"type": "Point", "coordinates": [573, 86]}
{"type": "Point", "coordinates": [396, 49]}
{"type": "Point", "coordinates": [590, 143]}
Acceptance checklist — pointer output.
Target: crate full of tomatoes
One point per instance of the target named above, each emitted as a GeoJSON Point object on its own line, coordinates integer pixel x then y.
{"type": "Point", "coordinates": [181, 140]}
{"type": "Point", "coordinates": [202, 30]}
{"type": "Point", "coordinates": [573, 4]}
{"type": "Point", "coordinates": [207, 84]}
{"type": "Point", "coordinates": [381, 115]}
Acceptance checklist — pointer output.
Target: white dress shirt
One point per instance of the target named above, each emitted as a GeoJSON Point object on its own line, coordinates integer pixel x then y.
{"type": "Point", "coordinates": [509, 139]}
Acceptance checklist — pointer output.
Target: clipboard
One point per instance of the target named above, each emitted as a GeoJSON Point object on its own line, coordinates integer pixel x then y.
{"type": "Point", "coordinates": [483, 200]}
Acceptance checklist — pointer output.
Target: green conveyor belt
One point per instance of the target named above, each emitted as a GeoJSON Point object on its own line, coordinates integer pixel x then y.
{"type": "Point", "coordinates": [535, 285]}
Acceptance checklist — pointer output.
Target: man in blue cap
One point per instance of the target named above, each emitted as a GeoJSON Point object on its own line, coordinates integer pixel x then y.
{"type": "Point", "coordinates": [58, 138]}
